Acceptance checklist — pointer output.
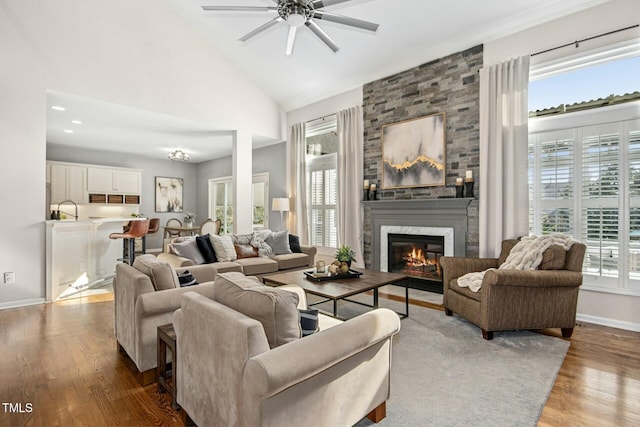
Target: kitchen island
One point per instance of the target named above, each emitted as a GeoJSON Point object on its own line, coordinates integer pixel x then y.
{"type": "Point", "coordinates": [80, 255]}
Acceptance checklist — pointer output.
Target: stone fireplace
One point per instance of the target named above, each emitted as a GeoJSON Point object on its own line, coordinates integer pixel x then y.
{"type": "Point", "coordinates": [410, 236]}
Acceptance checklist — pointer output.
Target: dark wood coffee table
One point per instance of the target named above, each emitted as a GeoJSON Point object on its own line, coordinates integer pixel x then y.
{"type": "Point", "coordinates": [341, 289]}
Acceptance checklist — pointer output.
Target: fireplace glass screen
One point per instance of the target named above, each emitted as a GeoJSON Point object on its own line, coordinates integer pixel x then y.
{"type": "Point", "coordinates": [416, 256]}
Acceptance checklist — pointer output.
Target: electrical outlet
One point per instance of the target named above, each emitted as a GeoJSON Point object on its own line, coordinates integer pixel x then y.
{"type": "Point", "coordinates": [9, 277]}
{"type": "Point", "coordinates": [82, 267]}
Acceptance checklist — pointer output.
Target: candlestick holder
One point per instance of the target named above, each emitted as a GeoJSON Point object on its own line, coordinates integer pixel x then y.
{"type": "Point", "coordinates": [468, 189]}
{"type": "Point", "coordinates": [459, 191]}
{"type": "Point", "coordinates": [375, 195]}
{"type": "Point", "coordinates": [366, 194]}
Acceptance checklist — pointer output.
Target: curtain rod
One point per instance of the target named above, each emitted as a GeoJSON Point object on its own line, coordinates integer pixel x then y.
{"type": "Point", "coordinates": [321, 118]}
{"type": "Point", "coordinates": [577, 42]}
{"type": "Point", "coordinates": [324, 117]}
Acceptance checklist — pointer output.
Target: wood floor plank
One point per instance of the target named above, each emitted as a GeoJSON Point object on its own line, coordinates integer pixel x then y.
{"type": "Point", "coordinates": [63, 359]}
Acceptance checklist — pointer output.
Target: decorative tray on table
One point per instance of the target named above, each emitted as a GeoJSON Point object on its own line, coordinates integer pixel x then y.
{"type": "Point", "coordinates": [321, 277]}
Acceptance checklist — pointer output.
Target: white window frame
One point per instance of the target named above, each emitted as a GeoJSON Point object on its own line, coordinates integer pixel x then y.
{"type": "Point", "coordinates": [321, 162]}
{"type": "Point", "coordinates": [261, 178]}
{"type": "Point", "coordinates": [622, 113]}
{"type": "Point", "coordinates": [228, 181]}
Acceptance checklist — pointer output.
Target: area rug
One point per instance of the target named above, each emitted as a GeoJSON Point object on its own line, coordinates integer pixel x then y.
{"type": "Point", "coordinates": [445, 374]}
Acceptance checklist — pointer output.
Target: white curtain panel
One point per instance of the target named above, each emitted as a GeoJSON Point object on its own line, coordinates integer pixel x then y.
{"type": "Point", "coordinates": [350, 173]}
{"type": "Point", "coordinates": [504, 199]}
{"type": "Point", "coordinates": [298, 183]}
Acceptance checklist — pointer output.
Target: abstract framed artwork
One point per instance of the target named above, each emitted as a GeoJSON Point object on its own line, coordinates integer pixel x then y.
{"type": "Point", "coordinates": [168, 194]}
{"type": "Point", "coordinates": [413, 152]}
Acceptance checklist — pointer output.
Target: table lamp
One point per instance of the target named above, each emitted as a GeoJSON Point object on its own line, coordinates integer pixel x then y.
{"type": "Point", "coordinates": [280, 204]}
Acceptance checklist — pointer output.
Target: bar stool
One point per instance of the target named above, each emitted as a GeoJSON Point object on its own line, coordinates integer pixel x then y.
{"type": "Point", "coordinates": [138, 229]}
{"type": "Point", "coordinates": [154, 226]}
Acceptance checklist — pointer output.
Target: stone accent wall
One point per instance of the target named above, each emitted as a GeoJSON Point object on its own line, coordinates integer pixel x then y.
{"type": "Point", "coordinates": [449, 85]}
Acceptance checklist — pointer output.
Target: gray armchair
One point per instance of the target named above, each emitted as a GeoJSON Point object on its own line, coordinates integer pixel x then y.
{"type": "Point", "coordinates": [227, 374]}
{"type": "Point", "coordinates": [140, 309]}
{"type": "Point", "coordinates": [516, 299]}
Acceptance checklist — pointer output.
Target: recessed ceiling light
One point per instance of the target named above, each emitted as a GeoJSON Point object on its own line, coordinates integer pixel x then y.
{"type": "Point", "coordinates": [68, 131]}
{"type": "Point", "coordinates": [76, 122]}
{"type": "Point", "coordinates": [57, 107]}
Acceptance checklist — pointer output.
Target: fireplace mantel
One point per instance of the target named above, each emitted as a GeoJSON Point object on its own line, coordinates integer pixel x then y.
{"type": "Point", "coordinates": [447, 212]}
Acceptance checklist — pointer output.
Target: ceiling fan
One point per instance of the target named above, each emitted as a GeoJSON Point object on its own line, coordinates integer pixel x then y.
{"type": "Point", "coordinates": [297, 13]}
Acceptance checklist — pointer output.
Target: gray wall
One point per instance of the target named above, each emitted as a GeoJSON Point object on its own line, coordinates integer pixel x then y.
{"type": "Point", "coordinates": [271, 159]}
{"type": "Point", "coordinates": [450, 85]}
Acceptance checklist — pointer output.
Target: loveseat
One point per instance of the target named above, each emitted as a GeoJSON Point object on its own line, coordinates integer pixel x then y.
{"type": "Point", "coordinates": [146, 296]}
{"type": "Point", "coordinates": [241, 361]}
{"type": "Point", "coordinates": [244, 253]}
{"type": "Point", "coordinates": [546, 297]}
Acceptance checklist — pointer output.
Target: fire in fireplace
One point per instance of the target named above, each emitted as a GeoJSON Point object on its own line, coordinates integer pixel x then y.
{"type": "Point", "coordinates": [417, 256]}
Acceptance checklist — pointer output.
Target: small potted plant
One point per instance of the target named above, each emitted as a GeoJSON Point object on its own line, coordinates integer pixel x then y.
{"type": "Point", "coordinates": [189, 218]}
{"type": "Point", "coordinates": [344, 257]}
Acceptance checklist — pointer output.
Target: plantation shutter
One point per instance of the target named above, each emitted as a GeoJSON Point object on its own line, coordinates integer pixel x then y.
{"type": "Point", "coordinates": [600, 197]}
{"type": "Point", "coordinates": [314, 203]}
{"type": "Point", "coordinates": [555, 181]}
{"type": "Point", "coordinates": [634, 198]}
{"type": "Point", "coordinates": [331, 211]}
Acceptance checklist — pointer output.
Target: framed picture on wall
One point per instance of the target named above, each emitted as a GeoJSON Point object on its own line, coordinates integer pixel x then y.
{"type": "Point", "coordinates": [413, 152]}
{"type": "Point", "coordinates": [168, 194]}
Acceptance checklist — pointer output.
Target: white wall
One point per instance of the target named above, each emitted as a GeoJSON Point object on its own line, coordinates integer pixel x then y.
{"type": "Point", "coordinates": [615, 310]}
{"type": "Point", "coordinates": [325, 107]}
{"type": "Point", "coordinates": [136, 53]}
{"type": "Point", "coordinates": [591, 22]}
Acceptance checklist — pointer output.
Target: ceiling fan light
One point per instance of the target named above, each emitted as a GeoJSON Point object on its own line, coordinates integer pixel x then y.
{"type": "Point", "coordinates": [296, 19]}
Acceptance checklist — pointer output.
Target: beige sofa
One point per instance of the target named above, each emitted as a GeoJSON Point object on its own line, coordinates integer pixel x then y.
{"type": "Point", "coordinates": [249, 266]}
{"type": "Point", "coordinates": [140, 308]}
{"type": "Point", "coordinates": [228, 374]}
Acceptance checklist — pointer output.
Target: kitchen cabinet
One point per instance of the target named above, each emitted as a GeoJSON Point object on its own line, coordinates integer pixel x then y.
{"type": "Point", "coordinates": [104, 180]}
{"type": "Point", "coordinates": [68, 183]}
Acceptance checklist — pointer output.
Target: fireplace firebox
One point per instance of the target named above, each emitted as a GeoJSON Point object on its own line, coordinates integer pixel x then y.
{"type": "Point", "coordinates": [418, 257]}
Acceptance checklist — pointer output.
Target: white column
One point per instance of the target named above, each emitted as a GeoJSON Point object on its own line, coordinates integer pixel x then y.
{"type": "Point", "coordinates": [242, 179]}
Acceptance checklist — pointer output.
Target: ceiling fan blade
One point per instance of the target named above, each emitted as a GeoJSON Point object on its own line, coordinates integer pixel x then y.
{"type": "Point", "coordinates": [340, 19]}
{"type": "Point", "coordinates": [260, 29]}
{"type": "Point", "coordinates": [239, 8]}
{"type": "Point", "coordinates": [322, 35]}
{"type": "Point", "coordinates": [322, 3]}
{"type": "Point", "coordinates": [291, 39]}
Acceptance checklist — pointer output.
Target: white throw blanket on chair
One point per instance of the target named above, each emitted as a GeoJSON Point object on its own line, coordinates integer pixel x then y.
{"type": "Point", "coordinates": [525, 255]}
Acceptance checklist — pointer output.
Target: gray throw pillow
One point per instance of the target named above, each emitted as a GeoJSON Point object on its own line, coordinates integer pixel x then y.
{"type": "Point", "coordinates": [279, 242]}
{"type": "Point", "coordinates": [188, 249]}
{"type": "Point", "coordinates": [276, 309]}
{"type": "Point", "coordinates": [162, 275]}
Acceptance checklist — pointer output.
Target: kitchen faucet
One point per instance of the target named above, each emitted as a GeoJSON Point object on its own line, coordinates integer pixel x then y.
{"type": "Point", "coordinates": [74, 204]}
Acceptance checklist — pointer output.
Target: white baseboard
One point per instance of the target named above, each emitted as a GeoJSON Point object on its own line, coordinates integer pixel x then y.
{"type": "Point", "coordinates": [612, 323]}
{"type": "Point", "coordinates": [21, 303]}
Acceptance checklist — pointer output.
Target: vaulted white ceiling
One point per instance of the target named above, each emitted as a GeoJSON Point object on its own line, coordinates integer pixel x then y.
{"type": "Point", "coordinates": [411, 32]}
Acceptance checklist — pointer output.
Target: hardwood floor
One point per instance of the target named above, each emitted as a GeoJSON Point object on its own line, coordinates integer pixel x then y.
{"type": "Point", "coordinates": [62, 359]}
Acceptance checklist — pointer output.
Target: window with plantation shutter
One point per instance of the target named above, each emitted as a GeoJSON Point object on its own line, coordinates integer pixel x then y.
{"type": "Point", "coordinates": [600, 197]}
{"type": "Point", "coordinates": [584, 180]}
{"type": "Point", "coordinates": [322, 182]}
{"type": "Point", "coordinates": [634, 199]}
{"type": "Point", "coordinates": [552, 181]}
